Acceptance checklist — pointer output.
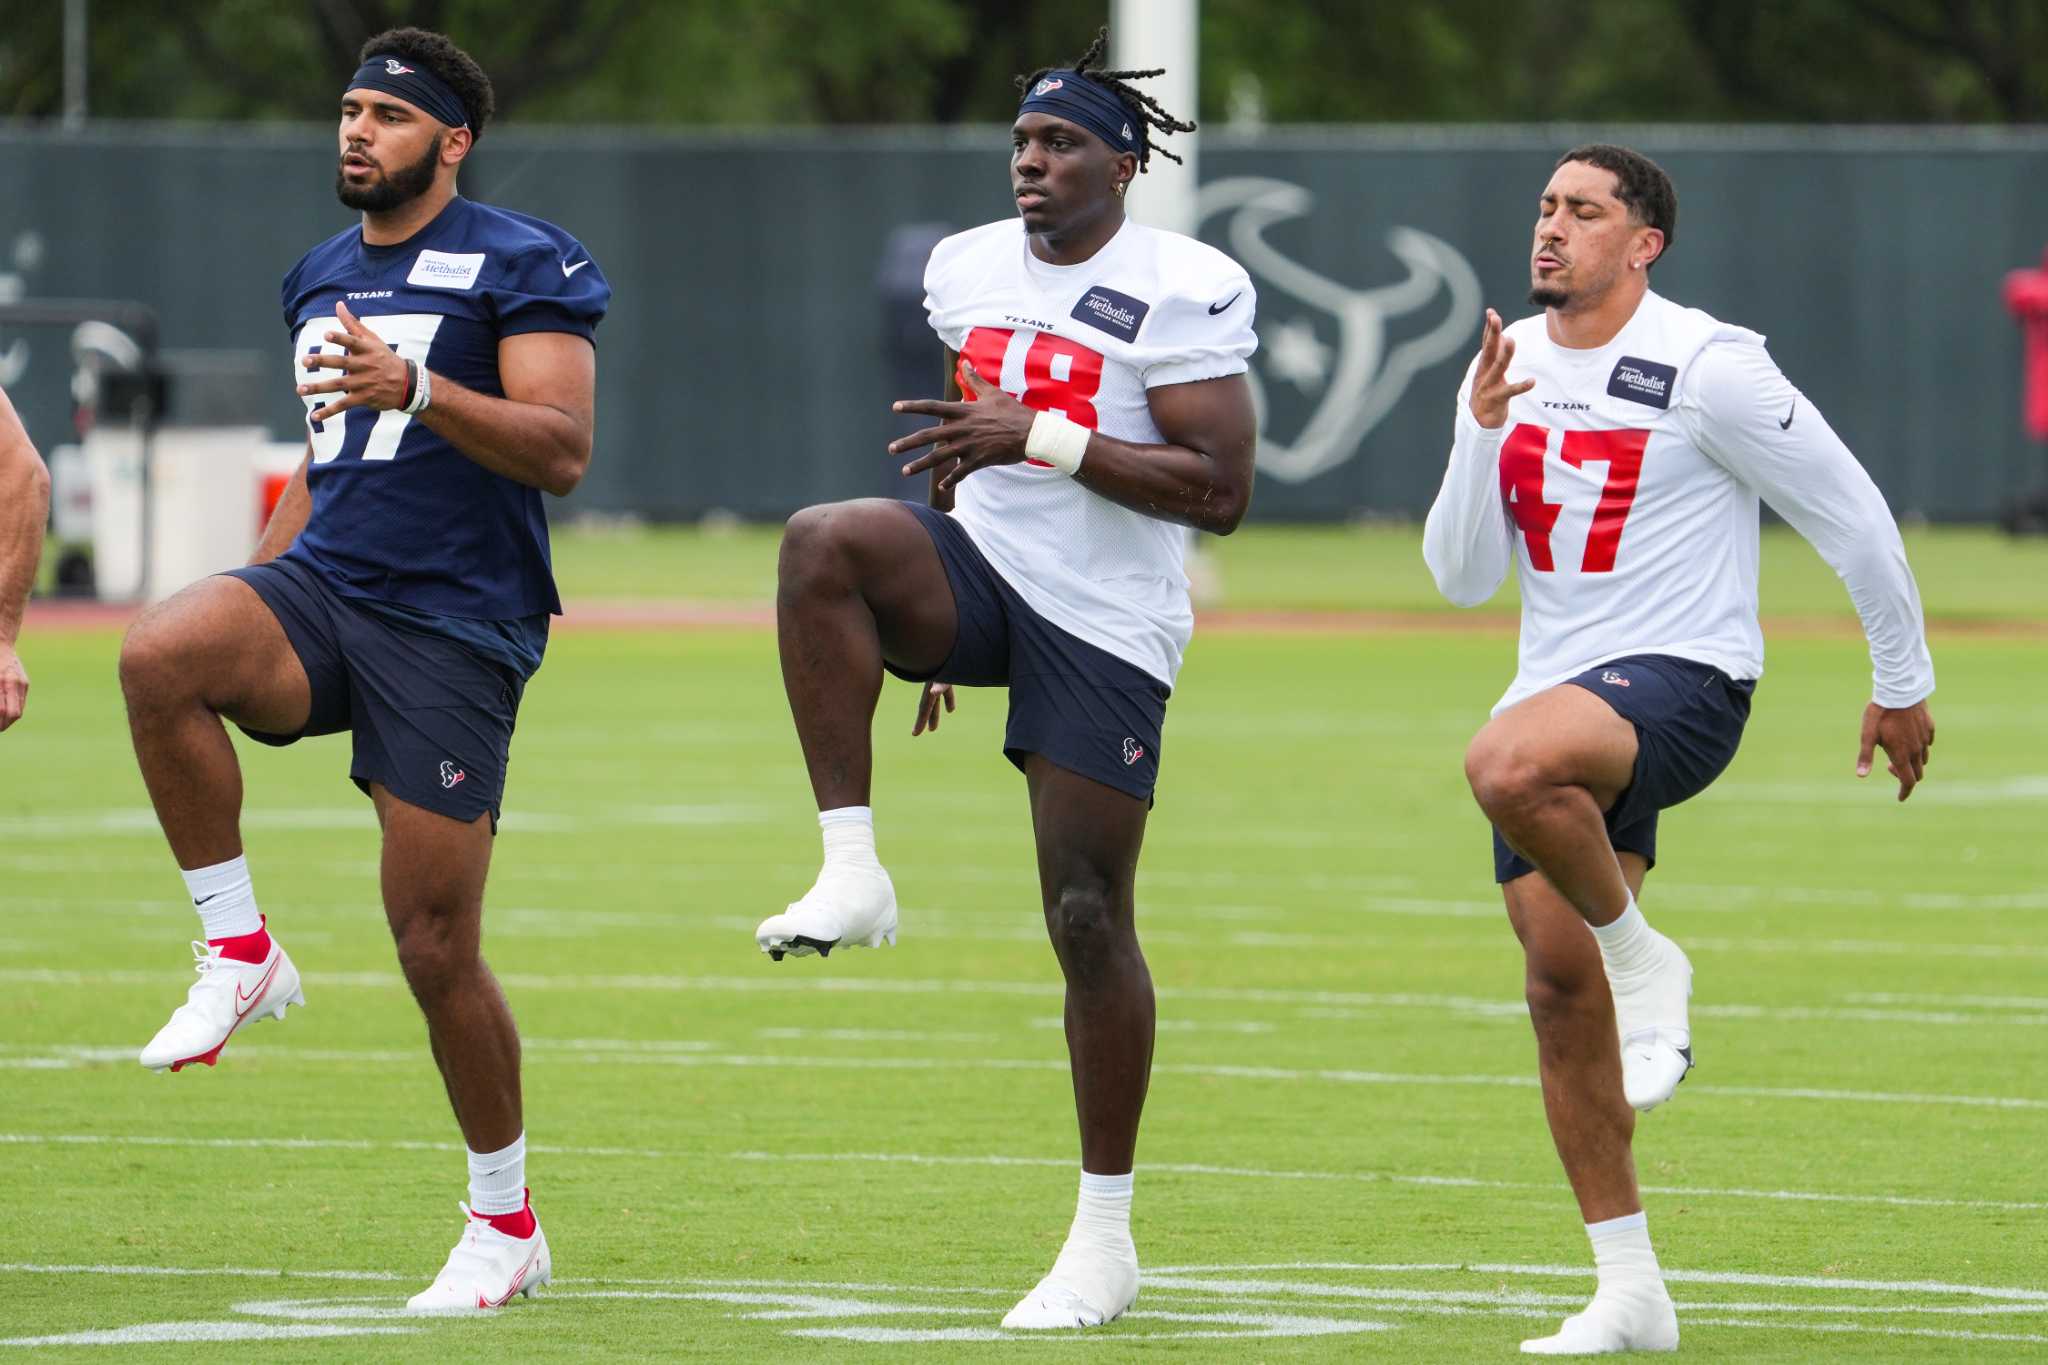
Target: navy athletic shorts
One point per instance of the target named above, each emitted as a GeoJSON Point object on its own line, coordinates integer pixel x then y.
{"type": "Point", "coordinates": [432, 720]}
{"type": "Point", "coordinates": [1080, 706]}
{"type": "Point", "coordinates": [1688, 718]}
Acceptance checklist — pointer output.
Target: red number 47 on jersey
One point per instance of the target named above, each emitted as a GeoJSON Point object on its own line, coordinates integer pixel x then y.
{"type": "Point", "coordinates": [1521, 488]}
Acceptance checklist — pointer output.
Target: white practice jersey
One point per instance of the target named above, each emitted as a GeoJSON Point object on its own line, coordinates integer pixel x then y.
{"type": "Point", "coordinates": [1150, 308]}
{"type": "Point", "coordinates": [1625, 486]}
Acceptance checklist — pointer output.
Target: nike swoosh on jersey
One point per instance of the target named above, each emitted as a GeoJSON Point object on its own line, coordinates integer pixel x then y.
{"type": "Point", "coordinates": [1216, 308]}
{"type": "Point", "coordinates": [1790, 412]}
{"type": "Point", "coordinates": [568, 270]}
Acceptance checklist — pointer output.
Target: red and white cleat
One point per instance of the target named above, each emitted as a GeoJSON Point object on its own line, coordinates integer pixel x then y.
{"type": "Point", "coordinates": [486, 1269]}
{"type": "Point", "coordinates": [226, 995]}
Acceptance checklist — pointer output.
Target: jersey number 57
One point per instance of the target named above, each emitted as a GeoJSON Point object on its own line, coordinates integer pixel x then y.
{"type": "Point", "coordinates": [363, 433]}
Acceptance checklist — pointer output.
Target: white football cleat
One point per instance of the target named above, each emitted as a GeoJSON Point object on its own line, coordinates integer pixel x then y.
{"type": "Point", "coordinates": [1086, 1287]}
{"type": "Point", "coordinates": [1613, 1323]}
{"type": "Point", "coordinates": [486, 1269]}
{"type": "Point", "coordinates": [849, 906]}
{"type": "Point", "coordinates": [226, 995]}
{"type": "Point", "coordinates": [1656, 1030]}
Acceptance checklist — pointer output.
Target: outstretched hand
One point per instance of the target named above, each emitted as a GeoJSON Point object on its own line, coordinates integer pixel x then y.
{"type": "Point", "coordinates": [988, 429]}
{"type": "Point", "coordinates": [1906, 735]}
{"type": "Point", "coordinates": [373, 375]}
{"type": "Point", "coordinates": [1490, 388]}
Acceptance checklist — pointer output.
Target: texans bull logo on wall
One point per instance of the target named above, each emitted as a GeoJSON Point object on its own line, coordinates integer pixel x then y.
{"type": "Point", "coordinates": [25, 257]}
{"type": "Point", "coordinates": [1346, 388]}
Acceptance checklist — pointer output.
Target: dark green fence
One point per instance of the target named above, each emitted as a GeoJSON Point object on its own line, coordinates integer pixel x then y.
{"type": "Point", "coordinates": [748, 358]}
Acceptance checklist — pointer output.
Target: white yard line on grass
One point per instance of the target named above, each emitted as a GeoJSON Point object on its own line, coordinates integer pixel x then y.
{"type": "Point", "coordinates": [1380, 1178]}
{"type": "Point", "coordinates": [197, 1272]}
{"type": "Point", "coordinates": [635, 1052]}
{"type": "Point", "coordinates": [1464, 1005]}
{"type": "Point", "coordinates": [299, 1144]}
{"type": "Point", "coordinates": [1991, 792]}
{"type": "Point", "coordinates": [1968, 1002]}
{"type": "Point", "coordinates": [1195, 1169]}
{"type": "Point", "coordinates": [2005, 1293]}
{"type": "Point", "coordinates": [1223, 1293]}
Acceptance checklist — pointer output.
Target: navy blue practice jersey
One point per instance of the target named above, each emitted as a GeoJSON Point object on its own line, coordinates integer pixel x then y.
{"type": "Point", "coordinates": [399, 514]}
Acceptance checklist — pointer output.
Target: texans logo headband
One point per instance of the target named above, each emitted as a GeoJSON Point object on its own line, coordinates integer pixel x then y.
{"type": "Point", "coordinates": [413, 84]}
{"type": "Point", "coordinates": [1071, 95]}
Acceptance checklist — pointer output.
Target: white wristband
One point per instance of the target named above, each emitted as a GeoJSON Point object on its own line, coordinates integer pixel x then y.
{"type": "Point", "coordinates": [1058, 441]}
{"type": "Point", "coordinates": [422, 395]}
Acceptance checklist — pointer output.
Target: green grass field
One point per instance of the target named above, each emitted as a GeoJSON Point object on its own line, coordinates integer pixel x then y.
{"type": "Point", "coordinates": [868, 1158]}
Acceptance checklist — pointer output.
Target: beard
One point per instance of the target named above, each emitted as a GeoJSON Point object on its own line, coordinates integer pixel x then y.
{"type": "Point", "coordinates": [1549, 296]}
{"type": "Point", "coordinates": [396, 189]}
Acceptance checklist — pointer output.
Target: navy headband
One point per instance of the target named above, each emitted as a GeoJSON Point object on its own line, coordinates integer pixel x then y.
{"type": "Point", "coordinates": [1071, 95]}
{"type": "Point", "coordinates": [414, 84]}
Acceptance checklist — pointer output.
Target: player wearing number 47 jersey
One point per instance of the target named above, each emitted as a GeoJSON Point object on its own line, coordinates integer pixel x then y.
{"type": "Point", "coordinates": [1102, 368]}
{"type": "Point", "coordinates": [1614, 449]}
{"type": "Point", "coordinates": [401, 593]}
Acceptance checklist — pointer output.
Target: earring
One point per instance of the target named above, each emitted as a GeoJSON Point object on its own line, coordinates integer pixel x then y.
{"type": "Point", "coordinates": [1120, 190]}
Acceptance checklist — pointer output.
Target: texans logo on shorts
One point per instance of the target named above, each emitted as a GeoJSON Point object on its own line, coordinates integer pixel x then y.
{"type": "Point", "coordinates": [1613, 679]}
{"type": "Point", "coordinates": [450, 774]}
{"type": "Point", "coordinates": [1133, 751]}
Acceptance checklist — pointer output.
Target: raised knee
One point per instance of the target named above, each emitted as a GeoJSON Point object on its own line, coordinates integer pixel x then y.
{"type": "Point", "coordinates": [152, 662]}
{"type": "Point", "coordinates": [813, 546]}
{"type": "Point", "coordinates": [1504, 779]}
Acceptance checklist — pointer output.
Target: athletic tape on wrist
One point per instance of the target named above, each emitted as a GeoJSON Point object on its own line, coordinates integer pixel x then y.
{"type": "Point", "coordinates": [423, 392]}
{"type": "Point", "coordinates": [1058, 441]}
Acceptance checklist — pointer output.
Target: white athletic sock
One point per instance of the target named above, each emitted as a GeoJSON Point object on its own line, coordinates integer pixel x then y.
{"type": "Point", "coordinates": [1628, 944]}
{"type": "Point", "coordinates": [225, 899]}
{"type": "Point", "coordinates": [497, 1180]}
{"type": "Point", "coordinates": [1102, 1216]}
{"type": "Point", "coordinates": [1624, 1258]}
{"type": "Point", "coordinates": [849, 836]}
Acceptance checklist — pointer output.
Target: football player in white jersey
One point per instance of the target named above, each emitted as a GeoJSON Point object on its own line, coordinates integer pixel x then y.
{"type": "Point", "coordinates": [1614, 448]}
{"type": "Point", "coordinates": [1101, 367]}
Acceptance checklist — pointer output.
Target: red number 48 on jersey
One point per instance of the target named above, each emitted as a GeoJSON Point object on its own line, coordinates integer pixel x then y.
{"type": "Point", "coordinates": [1059, 375]}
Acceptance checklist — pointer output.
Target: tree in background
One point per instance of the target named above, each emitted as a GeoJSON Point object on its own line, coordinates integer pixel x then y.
{"type": "Point", "coordinates": [769, 62]}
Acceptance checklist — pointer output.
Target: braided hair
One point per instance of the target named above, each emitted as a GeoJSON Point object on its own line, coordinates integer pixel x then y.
{"type": "Point", "coordinates": [1145, 111]}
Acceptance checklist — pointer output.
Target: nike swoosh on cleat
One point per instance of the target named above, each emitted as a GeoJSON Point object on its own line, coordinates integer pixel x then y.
{"type": "Point", "coordinates": [512, 1288]}
{"type": "Point", "coordinates": [262, 987]}
{"type": "Point", "coordinates": [1216, 308]}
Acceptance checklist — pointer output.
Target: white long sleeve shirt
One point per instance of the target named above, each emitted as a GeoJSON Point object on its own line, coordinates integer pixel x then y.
{"type": "Point", "coordinates": [1625, 486]}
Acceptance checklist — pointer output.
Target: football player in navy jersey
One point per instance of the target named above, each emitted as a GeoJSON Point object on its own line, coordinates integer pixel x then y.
{"type": "Point", "coordinates": [401, 593]}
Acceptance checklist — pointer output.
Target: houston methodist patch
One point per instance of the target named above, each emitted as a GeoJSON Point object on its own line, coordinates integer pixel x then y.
{"type": "Point", "coordinates": [446, 269]}
{"type": "Point", "coordinates": [1642, 381]}
{"type": "Point", "coordinates": [1120, 315]}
